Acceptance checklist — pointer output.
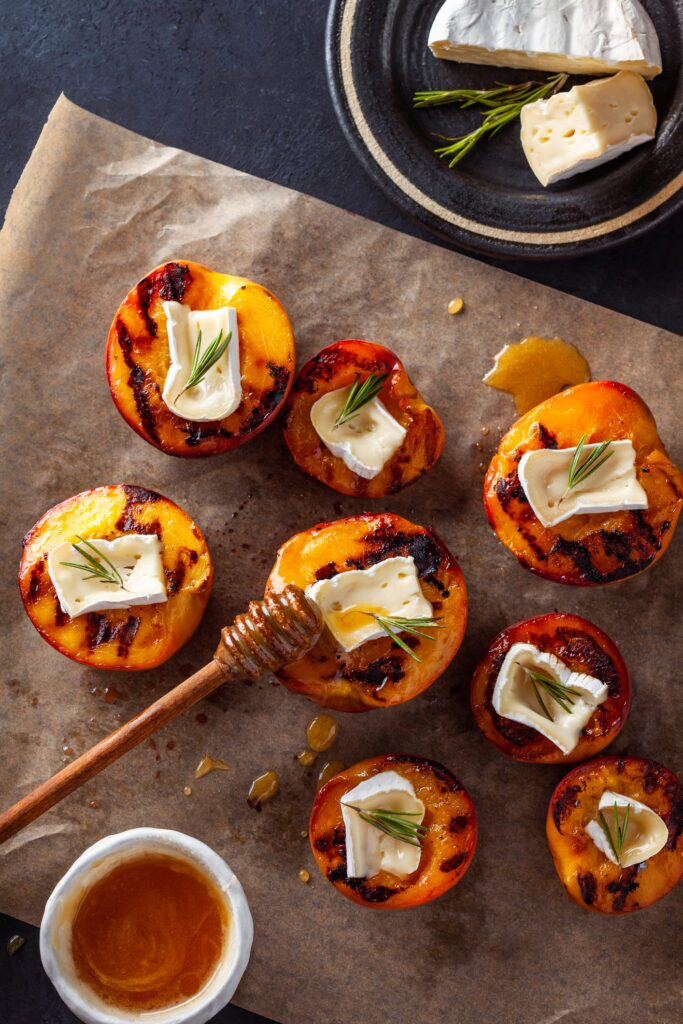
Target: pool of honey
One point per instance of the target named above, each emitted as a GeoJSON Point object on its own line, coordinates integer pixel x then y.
{"type": "Point", "coordinates": [149, 934]}
{"type": "Point", "coordinates": [536, 369]}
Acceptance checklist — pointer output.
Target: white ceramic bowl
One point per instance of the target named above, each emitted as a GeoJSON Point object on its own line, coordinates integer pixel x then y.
{"type": "Point", "coordinates": [98, 860]}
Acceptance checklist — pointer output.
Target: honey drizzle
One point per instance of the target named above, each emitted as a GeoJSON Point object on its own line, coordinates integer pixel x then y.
{"type": "Point", "coordinates": [328, 771]}
{"type": "Point", "coordinates": [210, 764]}
{"type": "Point", "coordinates": [321, 732]}
{"type": "Point", "coordinates": [535, 369]}
{"type": "Point", "coordinates": [263, 788]}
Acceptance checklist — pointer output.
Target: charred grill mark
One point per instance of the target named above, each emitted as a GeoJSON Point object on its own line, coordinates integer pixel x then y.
{"type": "Point", "coordinates": [377, 672]}
{"type": "Point", "coordinates": [337, 874]}
{"type": "Point", "coordinates": [458, 824]}
{"type": "Point", "coordinates": [137, 382]}
{"type": "Point", "coordinates": [633, 549]}
{"type": "Point", "coordinates": [145, 294]}
{"type": "Point", "coordinates": [175, 577]}
{"type": "Point", "coordinates": [424, 548]}
{"type": "Point", "coordinates": [61, 618]}
{"type": "Point", "coordinates": [509, 489]}
{"type": "Point", "coordinates": [651, 779]}
{"type": "Point", "coordinates": [334, 840]}
{"type": "Point", "coordinates": [530, 540]}
{"type": "Point", "coordinates": [371, 893]}
{"type": "Point", "coordinates": [453, 863]}
{"type": "Point", "coordinates": [173, 280]}
{"type": "Point", "coordinates": [326, 572]}
{"type": "Point", "coordinates": [323, 367]}
{"type": "Point", "coordinates": [126, 635]}
{"type": "Point", "coordinates": [580, 555]}
{"type": "Point", "coordinates": [578, 646]}
{"type": "Point", "coordinates": [35, 580]}
{"type": "Point", "coordinates": [196, 433]}
{"type": "Point", "coordinates": [136, 499]}
{"type": "Point", "coordinates": [437, 770]}
{"type": "Point", "coordinates": [623, 887]}
{"type": "Point", "coordinates": [564, 804]}
{"type": "Point", "coordinates": [588, 887]}
{"type": "Point", "coordinates": [674, 819]}
{"type": "Point", "coordinates": [546, 437]}
{"type": "Point", "coordinates": [268, 401]}
{"type": "Point", "coordinates": [100, 630]}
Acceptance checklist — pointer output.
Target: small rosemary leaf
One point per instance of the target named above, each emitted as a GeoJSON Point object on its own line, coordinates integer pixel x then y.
{"type": "Point", "coordinates": [360, 393]}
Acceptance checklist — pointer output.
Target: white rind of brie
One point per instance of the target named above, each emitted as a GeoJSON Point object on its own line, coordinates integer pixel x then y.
{"type": "Point", "coordinates": [574, 131]}
{"type": "Point", "coordinates": [366, 442]}
{"type": "Point", "coordinates": [646, 832]}
{"type": "Point", "coordinates": [614, 487]}
{"type": "Point", "coordinates": [583, 37]}
{"type": "Point", "coordinates": [220, 392]}
{"type": "Point", "coordinates": [514, 698]}
{"type": "Point", "coordinates": [347, 600]}
{"type": "Point", "coordinates": [136, 556]}
{"type": "Point", "coordinates": [367, 849]}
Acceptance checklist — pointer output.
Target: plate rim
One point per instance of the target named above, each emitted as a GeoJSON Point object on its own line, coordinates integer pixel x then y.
{"type": "Point", "coordinates": [449, 224]}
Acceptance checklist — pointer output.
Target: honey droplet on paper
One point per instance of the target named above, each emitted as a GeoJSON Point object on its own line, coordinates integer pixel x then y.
{"type": "Point", "coordinates": [263, 788]}
{"type": "Point", "coordinates": [321, 732]}
{"type": "Point", "coordinates": [328, 771]}
{"type": "Point", "coordinates": [306, 758]}
{"type": "Point", "coordinates": [456, 306]}
{"type": "Point", "coordinates": [304, 875]}
{"type": "Point", "coordinates": [15, 944]}
{"type": "Point", "coordinates": [535, 369]}
{"type": "Point", "coordinates": [187, 791]}
{"type": "Point", "coordinates": [210, 764]}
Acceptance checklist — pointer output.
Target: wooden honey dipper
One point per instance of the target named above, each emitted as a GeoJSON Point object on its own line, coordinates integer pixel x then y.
{"type": "Point", "coordinates": [271, 634]}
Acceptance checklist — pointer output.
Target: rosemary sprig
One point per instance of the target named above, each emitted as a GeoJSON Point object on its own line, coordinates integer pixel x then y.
{"type": "Point", "coordinates": [396, 824]}
{"type": "Point", "coordinates": [502, 105]}
{"type": "Point", "coordinates": [360, 393]}
{"type": "Point", "coordinates": [558, 692]}
{"type": "Point", "coordinates": [201, 364]}
{"type": "Point", "coordinates": [617, 837]}
{"type": "Point", "coordinates": [98, 566]}
{"type": "Point", "coordinates": [580, 471]}
{"type": "Point", "coordinates": [392, 625]}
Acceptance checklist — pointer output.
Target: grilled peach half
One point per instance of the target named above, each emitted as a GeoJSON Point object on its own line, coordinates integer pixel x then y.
{"type": "Point", "coordinates": [337, 366]}
{"type": "Point", "coordinates": [589, 877]}
{"type": "Point", "coordinates": [586, 550]}
{"type": "Point", "coordinates": [139, 637]}
{"type": "Point", "coordinates": [583, 648]}
{"type": "Point", "coordinates": [138, 357]}
{"type": "Point", "coordinates": [378, 674]}
{"type": "Point", "coordinates": [447, 848]}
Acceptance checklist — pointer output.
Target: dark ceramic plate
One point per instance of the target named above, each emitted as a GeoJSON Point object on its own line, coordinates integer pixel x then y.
{"type": "Point", "coordinates": [491, 203]}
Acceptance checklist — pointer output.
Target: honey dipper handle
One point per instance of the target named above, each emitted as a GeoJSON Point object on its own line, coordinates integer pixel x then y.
{"type": "Point", "coordinates": [110, 749]}
{"type": "Point", "coordinates": [271, 634]}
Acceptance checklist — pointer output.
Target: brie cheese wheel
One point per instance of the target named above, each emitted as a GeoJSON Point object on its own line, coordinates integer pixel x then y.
{"type": "Point", "coordinates": [514, 697]}
{"type": "Point", "coordinates": [646, 832]}
{"type": "Point", "coordinates": [367, 849]}
{"type": "Point", "coordinates": [136, 557]}
{"type": "Point", "coordinates": [366, 442]}
{"type": "Point", "coordinates": [613, 487]}
{"type": "Point", "coordinates": [583, 37]}
{"type": "Point", "coordinates": [220, 391]}
{"type": "Point", "coordinates": [348, 600]}
{"type": "Point", "coordinates": [574, 131]}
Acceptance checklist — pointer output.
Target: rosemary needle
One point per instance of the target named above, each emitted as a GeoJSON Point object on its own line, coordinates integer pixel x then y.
{"type": "Point", "coordinates": [360, 393]}
{"type": "Point", "coordinates": [396, 824]}
{"type": "Point", "coordinates": [502, 104]}
{"type": "Point", "coordinates": [202, 363]}
{"type": "Point", "coordinates": [617, 837]}
{"type": "Point", "coordinates": [392, 625]}
{"type": "Point", "coordinates": [98, 566]}
{"type": "Point", "coordinates": [557, 691]}
{"type": "Point", "coordinates": [580, 471]}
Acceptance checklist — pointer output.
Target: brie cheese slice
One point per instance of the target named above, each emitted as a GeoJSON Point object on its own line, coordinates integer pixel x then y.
{"type": "Point", "coordinates": [646, 832]}
{"type": "Point", "coordinates": [135, 557]}
{"type": "Point", "coordinates": [514, 696]}
{"type": "Point", "coordinates": [367, 849]}
{"type": "Point", "coordinates": [613, 487]}
{"type": "Point", "coordinates": [348, 600]}
{"type": "Point", "coordinates": [366, 442]}
{"type": "Point", "coordinates": [574, 131]}
{"type": "Point", "coordinates": [220, 391]}
{"type": "Point", "coordinates": [583, 37]}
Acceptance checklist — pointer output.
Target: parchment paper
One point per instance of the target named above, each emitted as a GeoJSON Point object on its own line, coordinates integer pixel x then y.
{"type": "Point", "coordinates": [98, 206]}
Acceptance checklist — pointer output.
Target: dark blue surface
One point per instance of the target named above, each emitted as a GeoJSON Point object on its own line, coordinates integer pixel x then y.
{"type": "Point", "coordinates": [243, 83]}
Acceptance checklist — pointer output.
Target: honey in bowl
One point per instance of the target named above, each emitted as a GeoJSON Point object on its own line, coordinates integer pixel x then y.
{"type": "Point", "coordinates": [149, 934]}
